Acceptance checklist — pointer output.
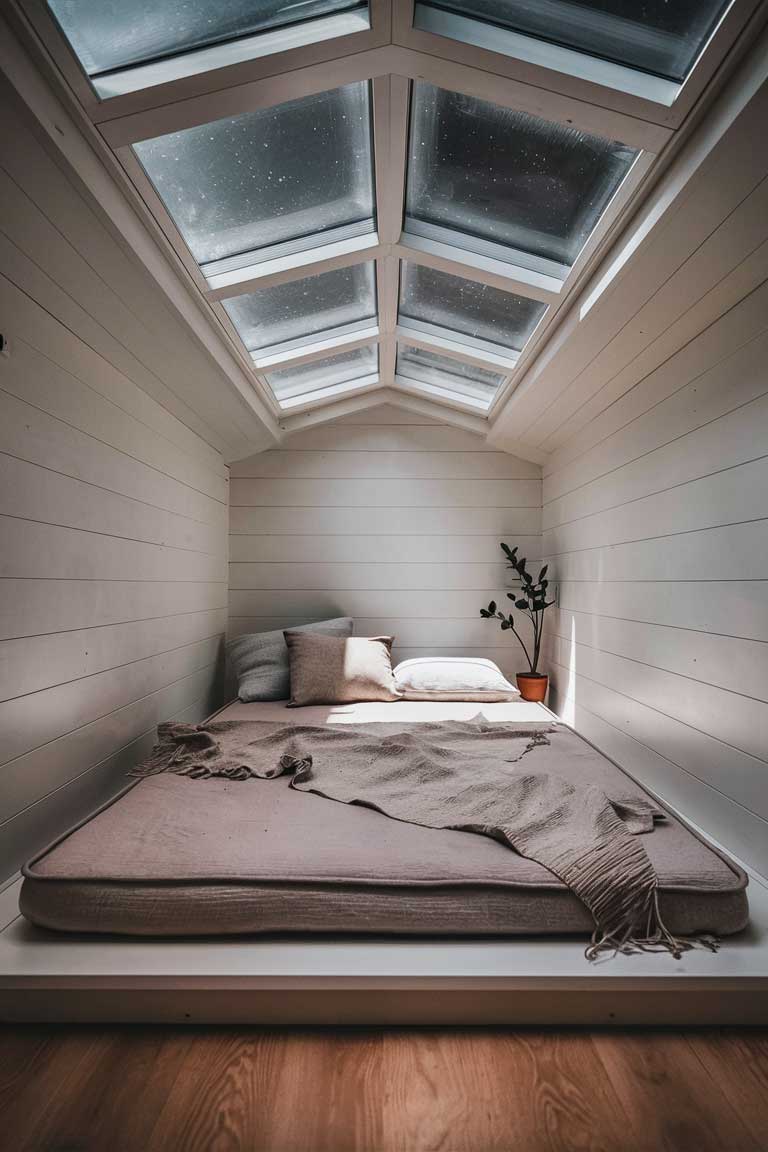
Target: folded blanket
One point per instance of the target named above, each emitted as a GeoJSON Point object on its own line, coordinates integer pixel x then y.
{"type": "Point", "coordinates": [464, 776]}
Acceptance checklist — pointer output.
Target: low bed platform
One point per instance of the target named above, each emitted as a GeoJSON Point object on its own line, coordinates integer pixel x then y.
{"type": "Point", "coordinates": [175, 857]}
{"type": "Point", "coordinates": [318, 979]}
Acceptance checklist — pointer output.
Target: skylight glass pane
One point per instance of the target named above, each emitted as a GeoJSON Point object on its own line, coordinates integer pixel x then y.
{"type": "Point", "coordinates": [308, 307]}
{"type": "Point", "coordinates": [345, 368]}
{"type": "Point", "coordinates": [662, 37]}
{"type": "Point", "coordinates": [440, 302]}
{"type": "Point", "coordinates": [280, 174]}
{"type": "Point", "coordinates": [443, 372]}
{"type": "Point", "coordinates": [504, 176]}
{"type": "Point", "coordinates": [109, 35]}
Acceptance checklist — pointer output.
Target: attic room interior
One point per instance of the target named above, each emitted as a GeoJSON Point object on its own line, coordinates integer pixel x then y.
{"type": "Point", "coordinates": [384, 586]}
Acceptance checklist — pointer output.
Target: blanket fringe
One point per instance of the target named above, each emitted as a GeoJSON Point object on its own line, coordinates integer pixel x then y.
{"type": "Point", "coordinates": [627, 916]}
{"type": "Point", "coordinates": [656, 937]}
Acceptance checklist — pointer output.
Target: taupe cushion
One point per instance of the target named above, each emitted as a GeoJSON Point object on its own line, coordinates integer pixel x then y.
{"type": "Point", "coordinates": [330, 670]}
{"type": "Point", "coordinates": [453, 678]}
{"type": "Point", "coordinates": [260, 659]}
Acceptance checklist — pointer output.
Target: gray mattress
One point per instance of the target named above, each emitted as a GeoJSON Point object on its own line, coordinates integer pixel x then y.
{"type": "Point", "coordinates": [179, 857]}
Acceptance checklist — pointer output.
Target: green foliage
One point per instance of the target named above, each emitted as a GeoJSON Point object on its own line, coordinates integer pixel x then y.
{"type": "Point", "coordinates": [531, 599]}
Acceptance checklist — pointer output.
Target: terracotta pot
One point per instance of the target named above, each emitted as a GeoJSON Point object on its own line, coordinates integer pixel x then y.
{"type": "Point", "coordinates": [533, 686]}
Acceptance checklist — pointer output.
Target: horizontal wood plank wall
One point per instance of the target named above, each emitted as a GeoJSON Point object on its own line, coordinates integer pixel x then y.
{"type": "Point", "coordinates": [113, 531]}
{"type": "Point", "coordinates": [655, 523]}
{"type": "Point", "coordinates": [56, 246]}
{"type": "Point", "coordinates": [388, 517]}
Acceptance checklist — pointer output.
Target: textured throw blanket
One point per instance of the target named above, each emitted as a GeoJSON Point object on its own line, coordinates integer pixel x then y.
{"type": "Point", "coordinates": [497, 780]}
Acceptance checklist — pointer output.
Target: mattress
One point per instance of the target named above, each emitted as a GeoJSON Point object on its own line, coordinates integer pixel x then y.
{"type": "Point", "coordinates": [172, 856]}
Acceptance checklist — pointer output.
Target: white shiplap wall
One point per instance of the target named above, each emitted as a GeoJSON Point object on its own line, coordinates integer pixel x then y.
{"type": "Point", "coordinates": [113, 526]}
{"type": "Point", "coordinates": [655, 523]}
{"type": "Point", "coordinates": [113, 517]}
{"type": "Point", "coordinates": [388, 517]}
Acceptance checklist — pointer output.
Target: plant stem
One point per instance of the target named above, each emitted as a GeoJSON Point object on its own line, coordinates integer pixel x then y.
{"type": "Point", "coordinates": [520, 640]}
{"type": "Point", "coordinates": [535, 623]}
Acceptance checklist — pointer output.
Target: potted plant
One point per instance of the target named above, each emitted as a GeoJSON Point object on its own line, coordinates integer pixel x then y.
{"type": "Point", "coordinates": [531, 599]}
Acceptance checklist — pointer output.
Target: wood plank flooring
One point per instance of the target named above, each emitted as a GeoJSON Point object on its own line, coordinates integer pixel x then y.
{"type": "Point", "coordinates": [147, 1089]}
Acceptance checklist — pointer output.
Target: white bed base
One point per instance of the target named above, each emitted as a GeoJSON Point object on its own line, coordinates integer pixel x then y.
{"type": "Point", "coordinates": [47, 976]}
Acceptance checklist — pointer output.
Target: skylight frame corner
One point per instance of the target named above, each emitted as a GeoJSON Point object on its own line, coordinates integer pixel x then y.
{"type": "Point", "coordinates": [39, 22]}
{"type": "Point", "coordinates": [334, 341]}
{"type": "Point", "coordinates": [580, 85]}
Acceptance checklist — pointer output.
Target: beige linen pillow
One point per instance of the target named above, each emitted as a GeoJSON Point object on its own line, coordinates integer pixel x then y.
{"type": "Point", "coordinates": [339, 670]}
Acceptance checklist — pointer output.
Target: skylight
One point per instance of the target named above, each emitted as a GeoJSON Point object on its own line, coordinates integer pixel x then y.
{"type": "Point", "coordinates": [126, 45]}
{"type": "Point", "coordinates": [297, 173]}
{"type": "Point", "coordinates": [486, 178]}
{"type": "Point", "coordinates": [277, 322]}
{"type": "Point", "coordinates": [429, 372]}
{"type": "Point", "coordinates": [657, 38]}
{"type": "Point", "coordinates": [385, 193]}
{"type": "Point", "coordinates": [325, 379]}
{"type": "Point", "coordinates": [451, 307]}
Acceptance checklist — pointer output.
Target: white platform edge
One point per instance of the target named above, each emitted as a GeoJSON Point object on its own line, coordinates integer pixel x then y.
{"type": "Point", "coordinates": [29, 955]}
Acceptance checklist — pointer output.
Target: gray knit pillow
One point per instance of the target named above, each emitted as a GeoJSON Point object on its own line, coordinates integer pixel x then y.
{"type": "Point", "coordinates": [260, 659]}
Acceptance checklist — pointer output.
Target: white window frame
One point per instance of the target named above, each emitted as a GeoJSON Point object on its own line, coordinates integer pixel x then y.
{"type": "Point", "coordinates": [574, 73]}
{"type": "Point", "coordinates": [198, 61]}
{"type": "Point", "coordinates": [443, 394]}
{"type": "Point", "coordinates": [507, 265]}
{"type": "Point", "coordinates": [309, 400]}
{"type": "Point", "coordinates": [522, 47]}
{"type": "Point", "coordinates": [473, 390]}
{"type": "Point", "coordinates": [313, 348]}
{"type": "Point", "coordinates": [261, 270]}
{"type": "Point", "coordinates": [430, 341]}
{"type": "Point", "coordinates": [374, 397]}
{"type": "Point", "coordinates": [390, 96]}
{"type": "Point", "coordinates": [35, 14]}
{"type": "Point", "coordinates": [391, 55]}
{"type": "Point", "coordinates": [460, 262]}
{"type": "Point", "coordinates": [466, 350]}
{"type": "Point", "coordinates": [318, 394]}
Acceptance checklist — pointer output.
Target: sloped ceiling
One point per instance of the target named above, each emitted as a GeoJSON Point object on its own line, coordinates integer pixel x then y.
{"type": "Point", "coordinates": [393, 204]}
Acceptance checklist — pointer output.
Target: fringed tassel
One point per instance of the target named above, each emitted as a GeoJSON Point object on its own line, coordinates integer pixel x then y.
{"type": "Point", "coordinates": [627, 914]}
{"type": "Point", "coordinates": [629, 938]}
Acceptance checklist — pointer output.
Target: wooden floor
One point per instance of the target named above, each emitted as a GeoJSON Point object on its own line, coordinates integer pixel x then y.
{"type": "Point", "coordinates": [161, 1090]}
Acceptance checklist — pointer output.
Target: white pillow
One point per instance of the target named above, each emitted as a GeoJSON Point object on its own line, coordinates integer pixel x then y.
{"type": "Point", "coordinates": [453, 678]}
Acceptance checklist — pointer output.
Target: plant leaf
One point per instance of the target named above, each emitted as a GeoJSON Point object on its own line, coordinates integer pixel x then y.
{"type": "Point", "coordinates": [521, 603]}
{"type": "Point", "coordinates": [492, 608]}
